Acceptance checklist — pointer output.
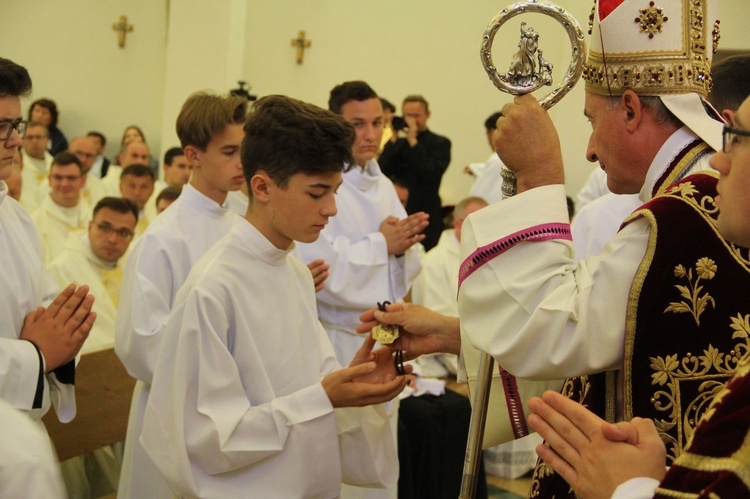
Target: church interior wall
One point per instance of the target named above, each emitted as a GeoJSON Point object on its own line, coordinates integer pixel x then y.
{"type": "Point", "coordinates": [177, 47]}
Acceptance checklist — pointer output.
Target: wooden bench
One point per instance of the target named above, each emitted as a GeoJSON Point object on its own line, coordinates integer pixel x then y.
{"type": "Point", "coordinates": [103, 393]}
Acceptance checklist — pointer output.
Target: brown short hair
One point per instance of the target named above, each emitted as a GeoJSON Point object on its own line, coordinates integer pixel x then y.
{"type": "Point", "coordinates": [204, 115]}
{"type": "Point", "coordinates": [417, 98]}
{"type": "Point", "coordinates": [285, 136]}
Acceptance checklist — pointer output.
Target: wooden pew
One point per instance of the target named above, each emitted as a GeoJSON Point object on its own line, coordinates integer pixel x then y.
{"type": "Point", "coordinates": [103, 393]}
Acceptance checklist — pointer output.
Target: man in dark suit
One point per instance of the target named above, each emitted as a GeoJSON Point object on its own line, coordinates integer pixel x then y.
{"type": "Point", "coordinates": [417, 159]}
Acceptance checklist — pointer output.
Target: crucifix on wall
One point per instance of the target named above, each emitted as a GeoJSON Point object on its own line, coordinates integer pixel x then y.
{"type": "Point", "coordinates": [122, 27]}
{"type": "Point", "coordinates": [301, 43]}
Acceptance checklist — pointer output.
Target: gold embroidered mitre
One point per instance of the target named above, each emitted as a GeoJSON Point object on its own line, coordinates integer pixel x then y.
{"type": "Point", "coordinates": [660, 47]}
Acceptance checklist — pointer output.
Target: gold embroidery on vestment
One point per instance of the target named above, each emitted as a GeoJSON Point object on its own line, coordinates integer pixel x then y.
{"type": "Point", "coordinates": [711, 370]}
{"type": "Point", "coordinates": [696, 303]}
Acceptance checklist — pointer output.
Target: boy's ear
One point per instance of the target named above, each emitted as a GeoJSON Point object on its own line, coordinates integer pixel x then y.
{"type": "Point", "coordinates": [260, 186]}
{"type": "Point", "coordinates": [192, 155]}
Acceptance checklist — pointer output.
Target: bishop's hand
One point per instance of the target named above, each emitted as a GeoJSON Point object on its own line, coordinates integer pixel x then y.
{"type": "Point", "coordinates": [527, 143]}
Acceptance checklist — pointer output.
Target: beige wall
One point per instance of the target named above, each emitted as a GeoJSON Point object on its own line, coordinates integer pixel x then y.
{"type": "Point", "coordinates": [180, 46]}
{"type": "Point", "coordinates": [71, 52]}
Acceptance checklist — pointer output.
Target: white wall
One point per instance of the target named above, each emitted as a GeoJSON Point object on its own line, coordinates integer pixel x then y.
{"type": "Point", "coordinates": [71, 52]}
{"type": "Point", "coordinates": [399, 47]}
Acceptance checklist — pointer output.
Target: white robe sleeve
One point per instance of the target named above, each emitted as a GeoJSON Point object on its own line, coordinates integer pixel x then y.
{"type": "Point", "coordinates": [145, 304]}
{"type": "Point", "coordinates": [369, 457]}
{"type": "Point", "coordinates": [19, 372]}
{"type": "Point", "coordinates": [532, 308]}
{"type": "Point", "coordinates": [28, 467]}
{"type": "Point", "coordinates": [636, 488]}
{"type": "Point", "coordinates": [363, 261]}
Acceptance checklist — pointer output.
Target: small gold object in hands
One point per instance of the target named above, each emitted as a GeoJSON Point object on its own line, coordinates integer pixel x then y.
{"type": "Point", "coordinates": [385, 334]}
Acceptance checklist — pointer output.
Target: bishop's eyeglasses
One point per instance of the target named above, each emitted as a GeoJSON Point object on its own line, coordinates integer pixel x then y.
{"type": "Point", "coordinates": [731, 137]}
{"type": "Point", "coordinates": [7, 127]}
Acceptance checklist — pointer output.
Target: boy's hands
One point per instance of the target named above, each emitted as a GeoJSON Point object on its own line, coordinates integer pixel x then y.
{"type": "Point", "coordinates": [371, 378]}
{"type": "Point", "coordinates": [319, 270]}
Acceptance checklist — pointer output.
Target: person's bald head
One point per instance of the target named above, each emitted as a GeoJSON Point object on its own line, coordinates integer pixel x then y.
{"type": "Point", "coordinates": [134, 153]}
{"type": "Point", "coordinates": [86, 150]}
{"type": "Point", "coordinates": [463, 209]}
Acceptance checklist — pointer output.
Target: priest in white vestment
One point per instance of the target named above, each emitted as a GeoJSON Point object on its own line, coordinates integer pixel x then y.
{"type": "Point", "coordinates": [94, 257]}
{"type": "Point", "coordinates": [162, 258]}
{"type": "Point", "coordinates": [36, 161]}
{"type": "Point", "coordinates": [246, 402]}
{"type": "Point", "coordinates": [31, 376]}
{"type": "Point", "coordinates": [133, 153]}
{"type": "Point", "coordinates": [63, 210]}
{"type": "Point", "coordinates": [137, 185]}
{"type": "Point", "coordinates": [85, 149]}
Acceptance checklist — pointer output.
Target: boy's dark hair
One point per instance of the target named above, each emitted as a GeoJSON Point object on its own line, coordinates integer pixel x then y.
{"type": "Point", "coordinates": [285, 136]}
{"type": "Point", "coordinates": [731, 82]}
{"type": "Point", "coordinates": [171, 154]}
{"type": "Point", "coordinates": [491, 122]}
{"type": "Point", "coordinates": [14, 79]}
{"type": "Point", "coordinates": [120, 205]}
{"type": "Point", "coordinates": [99, 136]}
{"type": "Point", "coordinates": [348, 91]}
{"type": "Point", "coordinates": [65, 158]}
{"type": "Point", "coordinates": [50, 106]}
{"type": "Point", "coordinates": [169, 193]}
{"type": "Point", "coordinates": [137, 171]}
{"type": "Point", "coordinates": [387, 105]}
{"type": "Point", "coordinates": [203, 116]}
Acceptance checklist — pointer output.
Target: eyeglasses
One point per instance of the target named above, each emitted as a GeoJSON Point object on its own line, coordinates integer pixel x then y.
{"type": "Point", "coordinates": [107, 229]}
{"type": "Point", "coordinates": [731, 137]}
{"type": "Point", "coordinates": [7, 127]}
{"type": "Point", "coordinates": [59, 178]}
{"type": "Point", "coordinates": [81, 154]}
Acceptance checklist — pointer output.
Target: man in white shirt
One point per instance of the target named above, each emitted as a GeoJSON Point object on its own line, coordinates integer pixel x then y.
{"type": "Point", "coordinates": [63, 210]}
{"type": "Point", "coordinates": [210, 131]}
{"type": "Point", "coordinates": [37, 161]}
{"type": "Point", "coordinates": [251, 403]}
{"type": "Point", "coordinates": [38, 345]}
